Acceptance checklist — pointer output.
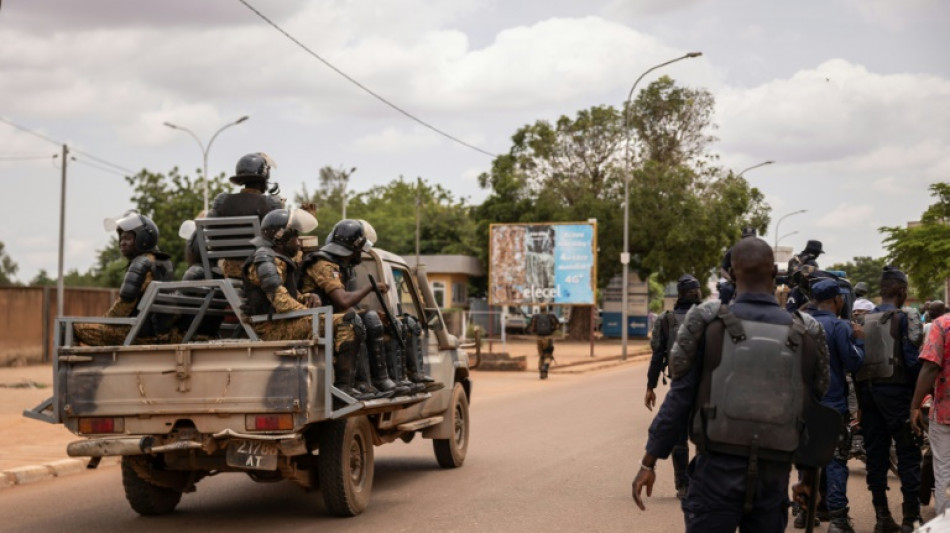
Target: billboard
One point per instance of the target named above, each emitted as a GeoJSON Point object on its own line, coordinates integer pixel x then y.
{"type": "Point", "coordinates": [542, 264]}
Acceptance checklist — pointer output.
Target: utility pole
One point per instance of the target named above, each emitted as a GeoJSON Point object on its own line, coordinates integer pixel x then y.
{"type": "Point", "coordinates": [62, 228]}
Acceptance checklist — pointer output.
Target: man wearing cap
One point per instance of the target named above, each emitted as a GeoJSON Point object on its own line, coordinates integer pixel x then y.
{"type": "Point", "coordinates": [885, 390]}
{"type": "Point", "coordinates": [935, 376]}
{"type": "Point", "coordinates": [661, 341]}
{"type": "Point", "coordinates": [846, 353]}
{"type": "Point", "coordinates": [252, 172]}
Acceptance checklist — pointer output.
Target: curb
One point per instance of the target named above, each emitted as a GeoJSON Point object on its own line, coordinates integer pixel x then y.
{"type": "Point", "coordinates": [600, 364]}
{"type": "Point", "coordinates": [25, 475]}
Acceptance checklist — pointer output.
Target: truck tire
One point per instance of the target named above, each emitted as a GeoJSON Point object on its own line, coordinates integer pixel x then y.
{"type": "Point", "coordinates": [345, 465]}
{"type": "Point", "coordinates": [145, 498]}
{"type": "Point", "coordinates": [450, 453]}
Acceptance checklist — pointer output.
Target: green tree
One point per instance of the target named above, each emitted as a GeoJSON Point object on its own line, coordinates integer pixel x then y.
{"type": "Point", "coordinates": [42, 279]}
{"type": "Point", "coordinates": [922, 250]}
{"type": "Point", "coordinates": [684, 210]}
{"type": "Point", "coordinates": [8, 267]}
{"type": "Point", "coordinates": [445, 227]}
{"type": "Point", "coordinates": [866, 269]}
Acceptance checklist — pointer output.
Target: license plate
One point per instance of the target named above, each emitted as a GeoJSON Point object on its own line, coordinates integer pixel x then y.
{"type": "Point", "coordinates": [252, 454]}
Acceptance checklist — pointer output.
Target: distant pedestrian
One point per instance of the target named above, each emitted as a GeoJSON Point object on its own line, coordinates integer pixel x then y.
{"type": "Point", "coordinates": [936, 310]}
{"type": "Point", "coordinates": [544, 325]}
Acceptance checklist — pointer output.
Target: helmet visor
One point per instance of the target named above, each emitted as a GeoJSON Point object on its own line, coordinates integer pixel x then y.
{"type": "Point", "coordinates": [301, 221]}
{"type": "Point", "coordinates": [369, 233]}
{"type": "Point", "coordinates": [127, 222]}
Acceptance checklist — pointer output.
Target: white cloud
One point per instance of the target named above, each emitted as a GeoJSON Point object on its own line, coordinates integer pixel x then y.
{"type": "Point", "coordinates": [630, 9]}
{"type": "Point", "coordinates": [895, 15]}
{"type": "Point", "coordinates": [844, 215]}
{"type": "Point", "coordinates": [393, 140]}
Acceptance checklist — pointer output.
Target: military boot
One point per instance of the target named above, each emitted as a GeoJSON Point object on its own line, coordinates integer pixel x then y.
{"type": "Point", "coordinates": [344, 371]}
{"type": "Point", "coordinates": [380, 376]}
{"type": "Point", "coordinates": [364, 380]}
{"type": "Point", "coordinates": [885, 522]}
{"type": "Point", "coordinates": [800, 516]}
{"type": "Point", "coordinates": [415, 366]}
{"type": "Point", "coordinates": [911, 511]}
{"type": "Point", "coordinates": [840, 521]}
{"type": "Point", "coordinates": [397, 367]}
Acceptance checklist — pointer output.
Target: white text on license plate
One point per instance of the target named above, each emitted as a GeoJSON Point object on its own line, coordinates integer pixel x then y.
{"type": "Point", "coordinates": [252, 454]}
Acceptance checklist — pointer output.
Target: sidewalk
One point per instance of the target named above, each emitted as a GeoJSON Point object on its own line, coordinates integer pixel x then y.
{"type": "Point", "coordinates": [31, 450]}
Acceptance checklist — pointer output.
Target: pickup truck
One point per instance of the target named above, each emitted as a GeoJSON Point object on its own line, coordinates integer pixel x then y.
{"type": "Point", "coordinates": [176, 413]}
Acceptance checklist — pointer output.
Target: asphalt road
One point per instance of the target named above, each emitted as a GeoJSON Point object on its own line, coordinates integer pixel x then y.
{"type": "Point", "coordinates": [545, 456]}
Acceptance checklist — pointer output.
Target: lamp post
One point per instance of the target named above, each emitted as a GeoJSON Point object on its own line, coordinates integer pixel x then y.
{"type": "Point", "coordinates": [625, 254]}
{"type": "Point", "coordinates": [205, 149]}
{"type": "Point", "coordinates": [762, 164]}
{"type": "Point", "coordinates": [783, 236]}
{"type": "Point", "coordinates": [777, 224]}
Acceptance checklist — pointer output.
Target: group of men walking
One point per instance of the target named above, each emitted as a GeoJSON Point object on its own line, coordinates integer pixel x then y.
{"type": "Point", "coordinates": [758, 388]}
{"type": "Point", "coordinates": [376, 355]}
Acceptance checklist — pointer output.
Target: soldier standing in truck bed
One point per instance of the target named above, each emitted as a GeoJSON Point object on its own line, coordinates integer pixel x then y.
{"type": "Point", "coordinates": [253, 172]}
{"type": "Point", "coordinates": [138, 242]}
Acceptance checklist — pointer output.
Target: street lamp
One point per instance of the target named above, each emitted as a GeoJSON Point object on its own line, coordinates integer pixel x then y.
{"type": "Point", "coordinates": [625, 254]}
{"type": "Point", "coordinates": [762, 164]}
{"type": "Point", "coordinates": [206, 149]}
{"type": "Point", "coordinates": [777, 224]}
{"type": "Point", "coordinates": [783, 236]}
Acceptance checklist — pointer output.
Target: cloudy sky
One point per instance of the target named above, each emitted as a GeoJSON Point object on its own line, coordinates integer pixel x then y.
{"type": "Point", "coordinates": [851, 98]}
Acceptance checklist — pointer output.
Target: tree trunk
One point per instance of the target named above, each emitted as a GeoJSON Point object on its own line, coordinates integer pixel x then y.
{"type": "Point", "coordinates": [578, 329]}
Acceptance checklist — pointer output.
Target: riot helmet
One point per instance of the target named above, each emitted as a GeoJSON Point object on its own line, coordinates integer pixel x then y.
{"type": "Point", "coordinates": [349, 237]}
{"type": "Point", "coordinates": [253, 167]}
{"type": "Point", "coordinates": [282, 224]}
{"type": "Point", "coordinates": [145, 231]}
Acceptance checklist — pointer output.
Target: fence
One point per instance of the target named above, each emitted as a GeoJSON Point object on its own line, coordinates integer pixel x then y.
{"type": "Point", "coordinates": [27, 315]}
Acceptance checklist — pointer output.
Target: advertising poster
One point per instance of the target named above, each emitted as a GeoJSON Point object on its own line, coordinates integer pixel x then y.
{"type": "Point", "coordinates": [542, 264]}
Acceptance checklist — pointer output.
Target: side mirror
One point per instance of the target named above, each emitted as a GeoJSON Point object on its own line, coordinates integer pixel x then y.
{"type": "Point", "coordinates": [432, 320]}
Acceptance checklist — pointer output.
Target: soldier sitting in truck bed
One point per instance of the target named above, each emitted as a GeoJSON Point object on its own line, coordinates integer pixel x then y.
{"type": "Point", "coordinates": [326, 272]}
{"type": "Point", "coordinates": [138, 242]}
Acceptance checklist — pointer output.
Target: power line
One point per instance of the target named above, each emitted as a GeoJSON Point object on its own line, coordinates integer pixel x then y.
{"type": "Point", "coordinates": [95, 166]}
{"type": "Point", "coordinates": [363, 87]}
{"type": "Point", "coordinates": [25, 157]}
{"type": "Point", "coordinates": [58, 143]}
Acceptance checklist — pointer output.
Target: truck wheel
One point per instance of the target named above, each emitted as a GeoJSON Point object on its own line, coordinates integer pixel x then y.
{"type": "Point", "coordinates": [345, 465]}
{"type": "Point", "coordinates": [145, 498]}
{"type": "Point", "coordinates": [450, 453]}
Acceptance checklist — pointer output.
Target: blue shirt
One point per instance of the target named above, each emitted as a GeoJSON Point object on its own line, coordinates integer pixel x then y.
{"type": "Point", "coordinates": [845, 355]}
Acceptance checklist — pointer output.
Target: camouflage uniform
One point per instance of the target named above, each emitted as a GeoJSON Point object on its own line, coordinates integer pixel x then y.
{"type": "Point", "coordinates": [113, 334]}
{"type": "Point", "coordinates": [544, 325]}
{"type": "Point", "coordinates": [322, 278]}
{"type": "Point", "coordinates": [282, 302]}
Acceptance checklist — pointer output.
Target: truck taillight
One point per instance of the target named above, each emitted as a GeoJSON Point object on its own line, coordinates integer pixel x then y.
{"type": "Point", "coordinates": [269, 422]}
{"type": "Point", "coordinates": [101, 425]}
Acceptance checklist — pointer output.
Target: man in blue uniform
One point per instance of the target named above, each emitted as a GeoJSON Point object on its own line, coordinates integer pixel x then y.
{"type": "Point", "coordinates": [740, 475]}
{"type": "Point", "coordinates": [661, 341]}
{"type": "Point", "coordinates": [846, 353]}
{"type": "Point", "coordinates": [885, 387]}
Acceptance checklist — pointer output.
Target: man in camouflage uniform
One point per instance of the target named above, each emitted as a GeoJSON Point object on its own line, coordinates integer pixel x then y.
{"type": "Point", "coordinates": [138, 242]}
{"type": "Point", "coordinates": [327, 273]}
{"type": "Point", "coordinates": [544, 325]}
{"type": "Point", "coordinates": [253, 172]}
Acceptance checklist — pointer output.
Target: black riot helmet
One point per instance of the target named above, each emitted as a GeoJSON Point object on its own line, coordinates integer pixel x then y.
{"type": "Point", "coordinates": [349, 237]}
{"type": "Point", "coordinates": [253, 168]}
{"type": "Point", "coordinates": [282, 224]}
{"type": "Point", "coordinates": [145, 231]}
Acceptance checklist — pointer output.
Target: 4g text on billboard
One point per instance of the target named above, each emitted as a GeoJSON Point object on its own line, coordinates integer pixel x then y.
{"type": "Point", "coordinates": [542, 264]}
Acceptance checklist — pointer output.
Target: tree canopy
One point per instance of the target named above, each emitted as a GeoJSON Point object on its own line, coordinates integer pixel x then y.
{"type": "Point", "coordinates": [922, 249]}
{"type": "Point", "coordinates": [8, 267]}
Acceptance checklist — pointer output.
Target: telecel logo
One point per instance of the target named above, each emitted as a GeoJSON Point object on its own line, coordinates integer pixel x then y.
{"type": "Point", "coordinates": [539, 293]}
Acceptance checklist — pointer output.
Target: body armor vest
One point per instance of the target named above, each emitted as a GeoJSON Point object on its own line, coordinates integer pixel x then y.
{"type": "Point", "coordinates": [882, 349]}
{"type": "Point", "coordinates": [545, 324]}
{"type": "Point", "coordinates": [672, 322]}
{"type": "Point", "coordinates": [244, 204]}
{"type": "Point", "coordinates": [256, 301]}
{"type": "Point", "coordinates": [753, 392]}
{"type": "Point", "coordinates": [161, 268]}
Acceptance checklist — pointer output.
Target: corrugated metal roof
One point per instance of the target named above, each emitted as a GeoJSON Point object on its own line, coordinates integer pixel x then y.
{"type": "Point", "coordinates": [448, 264]}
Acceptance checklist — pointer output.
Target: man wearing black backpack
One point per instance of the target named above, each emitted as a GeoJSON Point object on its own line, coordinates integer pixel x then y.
{"type": "Point", "coordinates": [544, 325]}
{"type": "Point", "coordinates": [661, 341]}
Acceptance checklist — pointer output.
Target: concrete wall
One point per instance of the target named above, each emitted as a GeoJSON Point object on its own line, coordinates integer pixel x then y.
{"type": "Point", "coordinates": [25, 337]}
